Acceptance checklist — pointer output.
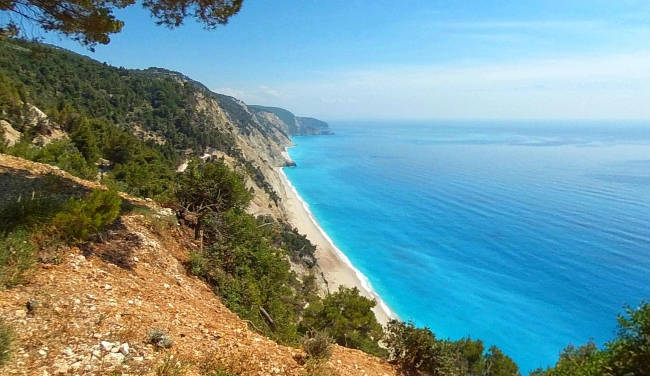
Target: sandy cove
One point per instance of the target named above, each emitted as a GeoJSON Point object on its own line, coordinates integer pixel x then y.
{"type": "Point", "coordinates": [336, 267]}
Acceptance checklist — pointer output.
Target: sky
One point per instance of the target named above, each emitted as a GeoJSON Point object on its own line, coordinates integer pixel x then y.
{"type": "Point", "coordinates": [428, 59]}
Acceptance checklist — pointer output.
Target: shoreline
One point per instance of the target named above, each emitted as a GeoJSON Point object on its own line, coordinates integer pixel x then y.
{"type": "Point", "coordinates": [336, 267]}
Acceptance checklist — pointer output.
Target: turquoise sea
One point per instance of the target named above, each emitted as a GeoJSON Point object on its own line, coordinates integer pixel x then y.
{"type": "Point", "coordinates": [528, 235]}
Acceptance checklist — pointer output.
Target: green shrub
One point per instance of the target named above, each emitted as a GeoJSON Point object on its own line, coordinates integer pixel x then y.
{"type": "Point", "coordinates": [61, 153]}
{"type": "Point", "coordinates": [499, 364]}
{"type": "Point", "coordinates": [64, 154]}
{"type": "Point", "coordinates": [210, 188]}
{"type": "Point", "coordinates": [626, 355]}
{"type": "Point", "coordinates": [6, 339]}
{"type": "Point", "coordinates": [159, 339]}
{"type": "Point", "coordinates": [20, 220]}
{"type": "Point", "coordinates": [16, 257]}
{"type": "Point", "coordinates": [417, 350]}
{"type": "Point", "coordinates": [197, 264]}
{"type": "Point", "coordinates": [301, 250]}
{"type": "Point", "coordinates": [317, 345]}
{"type": "Point", "coordinates": [28, 212]}
{"type": "Point", "coordinates": [347, 317]}
{"type": "Point", "coordinates": [250, 274]}
{"type": "Point", "coordinates": [87, 217]}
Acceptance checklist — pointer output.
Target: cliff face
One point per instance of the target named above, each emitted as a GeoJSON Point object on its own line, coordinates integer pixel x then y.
{"type": "Point", "coordinates": [311, 126]}
{"type": "Point", "coordinates": [295, 125]}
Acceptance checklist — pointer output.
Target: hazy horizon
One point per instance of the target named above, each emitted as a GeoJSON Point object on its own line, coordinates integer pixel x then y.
{"type": "Point", "coordinates": [434, 60]}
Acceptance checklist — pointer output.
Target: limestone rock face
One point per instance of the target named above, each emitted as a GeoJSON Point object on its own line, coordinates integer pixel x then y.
{"type": "Point", "coordinates": [11, 136]}
{"type": "Point", "coordinates": [46, 130]}
{"type": "Point", "coordinates": [36, 120]}
{"type": "Point", "coordinates": [294, 125]}
{"type": "Point", "coordinates": [311, 126]}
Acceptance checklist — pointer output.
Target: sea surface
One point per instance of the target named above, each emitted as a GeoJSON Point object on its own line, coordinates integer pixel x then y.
{"type": "Point", "coordinates": [527, 235]}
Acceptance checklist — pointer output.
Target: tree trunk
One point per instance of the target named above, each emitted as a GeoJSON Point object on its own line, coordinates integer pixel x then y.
{"type": "Point", "coordinates": [197, 230]}
{"type": "Point", "coordinates": [268, 319]}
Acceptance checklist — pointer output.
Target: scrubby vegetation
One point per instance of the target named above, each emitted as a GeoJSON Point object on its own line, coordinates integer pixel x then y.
{"type": "Point", "coordinates": [170, 367]}
{"type": "Point", "coordinates": [418, 351]}
{"type": "Point", "coordinates": [6, 339]}
{"type": "Point", "coordinates": [82, 219]}
{"type": "Point", "coordinates": [17, 255]}
{"type": "Point", "coordinates": [244, 264]}
{"type": "Point", "coordinates": [208, 189]}
{"type": "Point", "coordinates": [39, 223]}
{"type": "Point", "coordinates": [61, 153]}
{"type": "Point", "coordinates": [626, 355]}
{"type": "Point", "coordinates": [347, 317]}
{"type": "Point", "coordinates": [159, 338]}
{"type": "Point", "coordinates": [317, 345]}
{"type": "Point", "coordinates": [246, 260]}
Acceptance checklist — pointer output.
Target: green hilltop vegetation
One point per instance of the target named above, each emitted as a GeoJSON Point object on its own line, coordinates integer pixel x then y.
{"type": "Point", "coordinates": [245, 259]}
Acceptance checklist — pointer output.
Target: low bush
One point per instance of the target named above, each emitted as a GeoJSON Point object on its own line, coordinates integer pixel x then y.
{"type": "Point", "coordinates": [28, 212]}
{"type": "Point", "coordinates": [252, 277]}
{"type": "Point", "coordinates": [317, 345]}
{"type": "Point", "coordinates": [301, 250]}
{"type": "Point", "coordinates": [159, 338]}
{"type": "Point", "coordinates": [418, 351]}
{"type": "Point", "coordinates": [61, 153]}
{"type": "Point", "coordinates": [20, 219]}
{"type": "Point", "coordinates": [84, 218]}
{"type": "Point", "coordinates": [348, 318]}
{"type": "Point", "coordinates": [170, 367]}
{"type": "Point", "coordinates": [17, 254]}
{"type": "Point", "coordinates": [6, 339]}
{"type": "Point", "coordinates": [626, 355]}
{"type": "Point", "coordinates": [197, 263]}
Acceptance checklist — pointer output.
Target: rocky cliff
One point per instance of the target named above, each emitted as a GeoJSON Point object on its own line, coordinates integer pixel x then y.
{"type": "Point", "coordinates": [295, 125]}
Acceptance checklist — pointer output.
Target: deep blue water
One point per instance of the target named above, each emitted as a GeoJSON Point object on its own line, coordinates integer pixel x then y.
{"type": "Point", "coordinates": [528, 235]}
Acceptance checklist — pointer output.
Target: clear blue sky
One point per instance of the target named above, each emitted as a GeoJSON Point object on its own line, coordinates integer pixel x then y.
{"type": "Point", "coordinates": [410, 59]}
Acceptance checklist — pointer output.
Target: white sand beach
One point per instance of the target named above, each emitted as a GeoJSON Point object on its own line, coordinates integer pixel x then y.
{"type": "Point", "coordinates": [336, 267]}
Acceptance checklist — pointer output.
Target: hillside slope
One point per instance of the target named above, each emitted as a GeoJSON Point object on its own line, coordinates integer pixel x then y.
{"type": "Point", "coordinates": [75, 316]}
{"type": "Point", "coordinates": [176, 115]}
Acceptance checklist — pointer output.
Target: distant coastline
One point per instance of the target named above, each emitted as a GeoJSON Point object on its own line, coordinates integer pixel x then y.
{"type": "Point", "coordinates": [337, 268]}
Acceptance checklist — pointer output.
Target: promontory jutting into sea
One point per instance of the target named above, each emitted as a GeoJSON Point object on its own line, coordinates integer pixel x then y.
{"type": "Point", "coordinates": [528, 235]}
